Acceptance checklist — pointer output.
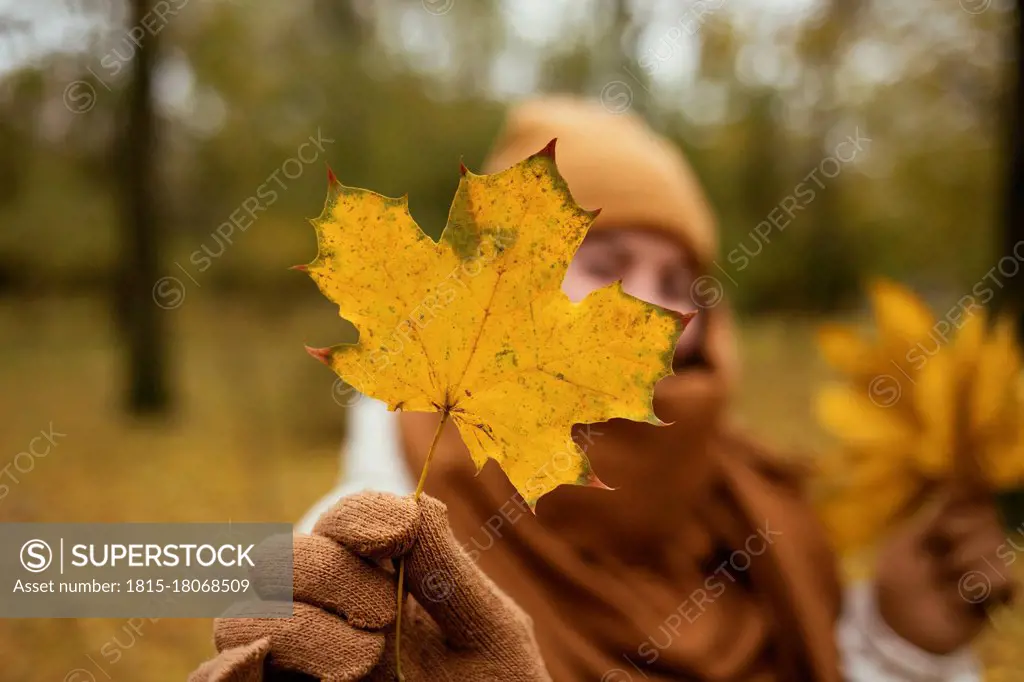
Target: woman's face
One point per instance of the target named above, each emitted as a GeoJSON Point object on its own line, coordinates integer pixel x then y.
{"type": "Point", "coordinates": [652, 266]}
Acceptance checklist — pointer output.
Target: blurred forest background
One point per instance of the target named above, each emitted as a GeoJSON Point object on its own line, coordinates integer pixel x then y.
{"type": "Point", "coordinates": [158, 161]}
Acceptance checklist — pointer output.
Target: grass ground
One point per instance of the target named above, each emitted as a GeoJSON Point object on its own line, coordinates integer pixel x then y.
{"type": "Point", "coordinates": [255, 440]}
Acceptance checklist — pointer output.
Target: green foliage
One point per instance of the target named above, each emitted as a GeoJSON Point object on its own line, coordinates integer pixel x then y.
{"type": "Point", "coordinates": [406, 94]}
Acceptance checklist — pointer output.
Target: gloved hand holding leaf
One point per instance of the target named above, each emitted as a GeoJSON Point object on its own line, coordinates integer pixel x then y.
{"type": "Point", "coordinates": [475, 326]}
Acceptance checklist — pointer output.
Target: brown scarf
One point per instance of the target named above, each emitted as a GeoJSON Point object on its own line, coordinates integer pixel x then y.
{"type": "Point", "coordinates": [704, 563]}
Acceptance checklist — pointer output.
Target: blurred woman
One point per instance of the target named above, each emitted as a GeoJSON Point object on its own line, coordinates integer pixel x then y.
{"type": "Point", "coordinates": [706, 562]}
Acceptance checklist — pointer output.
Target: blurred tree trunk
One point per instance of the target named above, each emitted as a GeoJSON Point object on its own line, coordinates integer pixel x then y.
{"type": "Point", "coordinates": [828, 266]}
{"type": "Point", "coordinates": [142, 320]}
{"type": "Point", "coordinates": [1013, 229]}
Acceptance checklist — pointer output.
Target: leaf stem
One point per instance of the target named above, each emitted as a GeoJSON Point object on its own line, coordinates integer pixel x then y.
{"type": "Point", "coordinates": [401, 562]}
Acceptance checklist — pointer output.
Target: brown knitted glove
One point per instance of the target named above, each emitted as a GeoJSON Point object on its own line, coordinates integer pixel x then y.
{"type": "Point", "coordinates": [456, 624]}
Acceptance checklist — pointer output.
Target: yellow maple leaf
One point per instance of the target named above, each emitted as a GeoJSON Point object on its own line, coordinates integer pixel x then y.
{"type": "Point", "coordinates": [476, 326]}
{"type": "Point", "coordinates": [914, 411]}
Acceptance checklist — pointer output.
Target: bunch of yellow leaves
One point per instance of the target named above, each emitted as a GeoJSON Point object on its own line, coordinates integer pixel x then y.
{"type": "Point", "coordinates": [926, 402]}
